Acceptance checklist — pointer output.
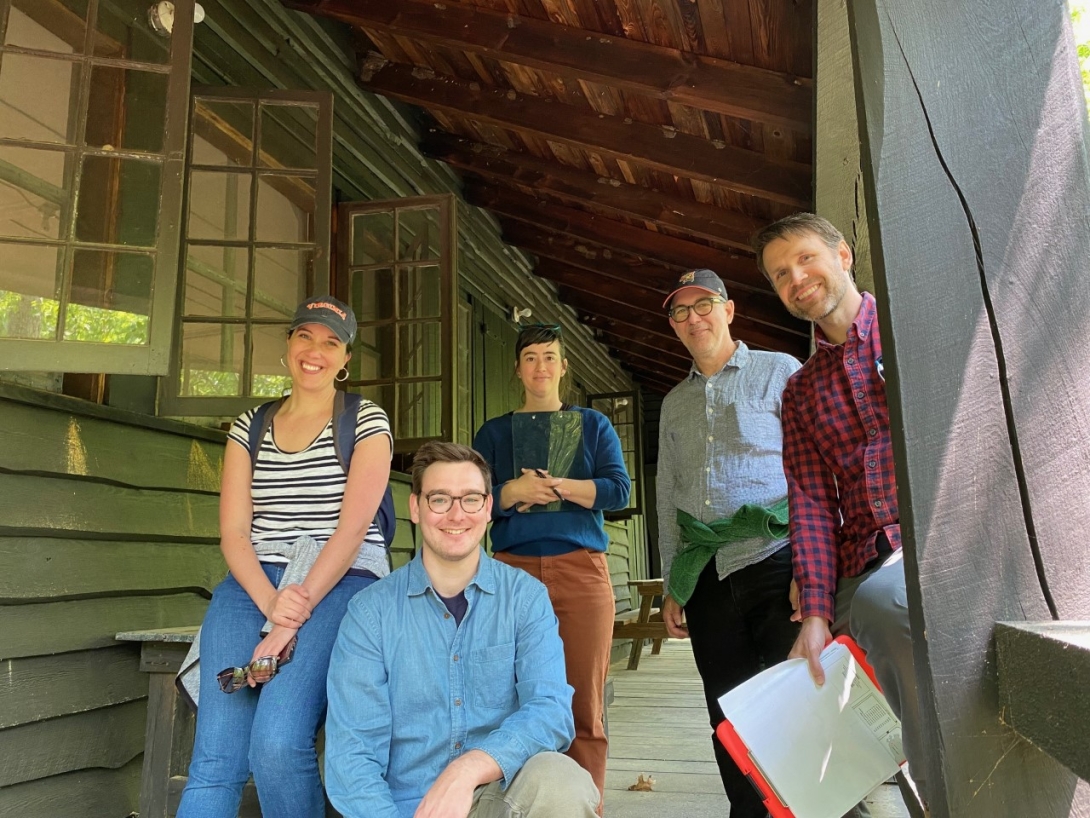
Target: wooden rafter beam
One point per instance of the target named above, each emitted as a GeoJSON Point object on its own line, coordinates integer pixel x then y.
{"type": "Point", "coordinates": [664, 73]}
{"type": "Point", "coordinates": [639, 300]}
{"type": "Point", "coordinates": [678, 254]}
{"type": "Point", "coordinates": [664, 149]}
{"type": "Point", "coordinates": [618, 340]}
{"type": "Point", "coordinates": [663, 368]}
{"type": "Point", "coordinates": [645, 283]}
{"type": "Point", "coordinates": [576, 186]}
{"type": "Point", "coordinates": [651, 379]}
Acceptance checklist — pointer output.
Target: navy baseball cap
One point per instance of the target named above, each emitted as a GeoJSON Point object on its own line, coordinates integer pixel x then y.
{"type": "Point", "coordinates": [703, 279]}
{"type": "Point", "coordinates": [330, 312]}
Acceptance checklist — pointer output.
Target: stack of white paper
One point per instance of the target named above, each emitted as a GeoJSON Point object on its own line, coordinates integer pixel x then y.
{"type": "Point", "coordinates": [821, 749]}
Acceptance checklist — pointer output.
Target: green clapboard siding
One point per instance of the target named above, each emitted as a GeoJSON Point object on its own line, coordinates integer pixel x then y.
{"type": "Point", "coordinates": [39, 568]}
{"type": "Point", "coordinates": [65, 443]}
{"type": "Point", "coordinates": [44, 687]}
{"type": "Point", "coordinates": [90, 793]}
{"type": "Point", "coordinates": [34, 504]}
{"type": "Point", "coordinates": [107, 737]}
{"type": "Point", "coordinates": [57, 627]}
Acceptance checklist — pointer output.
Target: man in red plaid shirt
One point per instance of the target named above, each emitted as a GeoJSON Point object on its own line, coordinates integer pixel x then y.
{"type": "Point", "coordinates": [838, 459]}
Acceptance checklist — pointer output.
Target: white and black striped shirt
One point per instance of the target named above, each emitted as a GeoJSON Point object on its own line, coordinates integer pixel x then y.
{"type": "Point", "coordinates": [300, 493]}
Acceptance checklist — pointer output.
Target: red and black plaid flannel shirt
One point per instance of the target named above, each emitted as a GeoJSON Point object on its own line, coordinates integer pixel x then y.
{"type": "Point", "coordinates": [839, 462]}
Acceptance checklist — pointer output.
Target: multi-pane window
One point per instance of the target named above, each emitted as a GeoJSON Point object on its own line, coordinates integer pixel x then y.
{"type": "Point", "coordinates": [92, 112]}
{"type": "Point", "coordinates": [396, 259]}
{"type": "Point", "coordinates": [256, 242]}
{"type": "Point", "coordinates": [623, 411]}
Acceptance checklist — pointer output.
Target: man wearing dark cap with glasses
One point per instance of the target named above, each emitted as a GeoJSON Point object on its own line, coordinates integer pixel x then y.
{"type": "Point", "coordinates": [447, 690]}
{"type": "Point", "coordinates": [722, 507]}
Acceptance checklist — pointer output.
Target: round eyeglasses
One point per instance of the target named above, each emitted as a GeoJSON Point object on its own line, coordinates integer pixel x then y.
{"type": "Point", "coordinates": [442, 503]}
{"type": "Point", "coordinates": [701, 307]}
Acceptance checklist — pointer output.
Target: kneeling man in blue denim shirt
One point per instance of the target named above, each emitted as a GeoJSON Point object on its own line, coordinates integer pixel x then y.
{"type": "Point", "coordinates": [447, 691]}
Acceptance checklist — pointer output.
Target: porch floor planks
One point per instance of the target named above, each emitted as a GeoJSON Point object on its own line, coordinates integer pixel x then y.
{"type": "Point", "coordinates": [658, 726]}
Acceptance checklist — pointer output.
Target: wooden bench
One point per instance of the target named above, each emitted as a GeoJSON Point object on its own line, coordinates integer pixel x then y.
{"type": "Point", "coordinates": [644, 623]}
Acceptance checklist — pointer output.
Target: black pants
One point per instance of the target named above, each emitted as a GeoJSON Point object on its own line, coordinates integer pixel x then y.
{"type": "Point", "coordinates": [739, 626]}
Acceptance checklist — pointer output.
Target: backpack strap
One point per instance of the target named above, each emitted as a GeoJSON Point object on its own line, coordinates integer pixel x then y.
{"type": "Point", "coordinates": [259, 425]}
{"type": "Point", "coordinates": [346, 409]}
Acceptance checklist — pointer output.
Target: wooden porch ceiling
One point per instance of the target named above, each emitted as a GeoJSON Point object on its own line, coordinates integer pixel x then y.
{"type": "Point", "coordinates": [618, 141]}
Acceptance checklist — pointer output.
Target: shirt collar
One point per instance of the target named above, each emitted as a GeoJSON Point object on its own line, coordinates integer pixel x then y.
{"type": "Point", "coordinates": [419, 581]}
{"type": "Point", "coordinates": [738, 361]}
{"type": "Point", "coordinates": [861, 327]}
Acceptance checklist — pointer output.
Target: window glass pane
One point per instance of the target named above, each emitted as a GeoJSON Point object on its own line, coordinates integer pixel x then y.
{"type": "Point", "coordinates": [33, 193]}
{"type": "Point", "coordinates": [419, 349]}
{"type": "Point", "coordinates": [30, 284]}
{"type": "Point", "coordinates": [109, 297]}
{"type": "Point", "coordinates": [127, 109]}
{"type": "Point", "coordinates": [288, 136]}
{"type": "Point", "coordinates": [280, 281]}
{"type": "Point", "coordinates": [219, 205]}
{"type": "Point", "coordinates": [58, 25]}
{"type": "Point", "coordinates": [373, 354]}
{"type": "Point", "coordinates": [419, 410]}
{"type": "Point", "coordinates": [372, 294]}
{"type": "Point", "coordinates": [382, 394]}
{"type": "Point", "coordinates": [118, 201]}
{"type": "Point", "coordinates": [215, 281]}
{"type": "Point", "coordinates": [39, 98]}
{"type": "Point", "coordinates": [212, 360]}
{"type": "Point", "coordinates": [372, 238]}
{"type": "Point", "coordinates": [285, 209]}
{"type": "Point", "coordinates": [224, 133]}
{"type": "Point", "coordinates": [418, 233]}
{"type": "Point", "coordinates": [123, 32]}
{"type": "Point", "coordinates": [419, 293]}
{"type": "Point", "coordinates": [270, 379]}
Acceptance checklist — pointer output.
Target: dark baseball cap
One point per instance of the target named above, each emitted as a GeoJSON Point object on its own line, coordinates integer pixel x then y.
{"type": "Point", "coordinates": [703, 279]}
{"type": "Point", "coordinates": [330, 312]}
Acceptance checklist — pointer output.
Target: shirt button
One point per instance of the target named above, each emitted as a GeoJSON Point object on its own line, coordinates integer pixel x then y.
{"type": "Point", "coordinates": [873, 432]}
{"type": "Point", "coordinates": [860, 394]}
{"type": "Point", "coordinates": [709, 410]}
{"type": "Point", "coordinates": [456, 657]}
{"type": "Point", "coordinates": [446, 616]}
{"type": "Point", "coordinates": [877, 503]}
{"type": "Point", "coordinates": [851, 360]}
{"type": "Point", "coordinates": [457, 702]}
{"type": "Point", "coordinates": [707, 502]}
{"type": "Point", "coordinates": [711, 437]}
{"type": "Point", "coordinates": [457, 745]}
{"type": "Point", "coordinates": [872, 464]}
{"type": "Point", "coordinates": [707, 468]}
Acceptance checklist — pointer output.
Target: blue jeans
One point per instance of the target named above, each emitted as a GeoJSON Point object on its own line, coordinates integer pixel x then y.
{"type": "Point", "coordinates": [269, 730]}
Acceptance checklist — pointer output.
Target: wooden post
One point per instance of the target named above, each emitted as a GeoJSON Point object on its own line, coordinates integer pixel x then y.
{"type": "Point", "coordinates": [972, 121]}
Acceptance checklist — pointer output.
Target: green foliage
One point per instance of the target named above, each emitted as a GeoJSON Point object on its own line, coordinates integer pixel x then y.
{"type": "Point", "coordinates": [25, 316]}
{"type": "Point", "coordinates": [1080, 22]}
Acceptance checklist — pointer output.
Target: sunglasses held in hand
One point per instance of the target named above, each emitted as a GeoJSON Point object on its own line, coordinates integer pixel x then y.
{"type": "Point", "coordinates": [260, 670]}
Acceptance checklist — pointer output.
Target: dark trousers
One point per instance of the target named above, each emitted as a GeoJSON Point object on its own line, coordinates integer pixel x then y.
{"type": "Point", "coordinates": [739, 626]}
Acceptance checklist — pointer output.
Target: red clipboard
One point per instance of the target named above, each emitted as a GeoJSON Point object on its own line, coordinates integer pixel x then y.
{"type": "Point", "coordinates": [739, 752]}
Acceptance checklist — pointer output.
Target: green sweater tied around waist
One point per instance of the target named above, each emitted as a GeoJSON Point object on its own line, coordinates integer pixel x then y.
{"type": "Point", "coordinates": [700, 540]}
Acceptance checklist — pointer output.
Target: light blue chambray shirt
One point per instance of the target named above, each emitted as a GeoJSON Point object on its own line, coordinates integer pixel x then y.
{"type": "Point", "coordinates": [720, 447]}
{"type": "Point", "coordinates": [409, 691]}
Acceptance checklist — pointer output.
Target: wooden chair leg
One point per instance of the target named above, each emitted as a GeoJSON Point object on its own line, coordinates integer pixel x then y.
{"type": "Point", "coordinates": [634, 657]}
{"type": "Point", "coordinates": [656, 647]}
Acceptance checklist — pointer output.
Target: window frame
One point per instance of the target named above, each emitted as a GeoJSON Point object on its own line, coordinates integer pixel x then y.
{"type": "Point", "coordinates": [636, 499]}
{"type": "Point", "coordinates": [320, 279]}
{"type": "Point", "coordinates": [75, 356]}
{"type": "Point", "coordinates": [448, 319]}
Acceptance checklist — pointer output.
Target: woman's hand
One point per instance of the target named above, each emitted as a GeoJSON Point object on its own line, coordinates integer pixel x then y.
{"type": "Point", "coordinates": [272, 645]}
{"type": "Point", "coordinates": [289, 607]}
{"type": "Point", "coordinates": [532, 489]}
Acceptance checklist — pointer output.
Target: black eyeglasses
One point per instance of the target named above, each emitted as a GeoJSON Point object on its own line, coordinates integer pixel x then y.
{"type": "Point", "coordinates": [701, 307]}
{"type": "Point", "coordinates": [260, 670]}
{"type": "Point", "coordinates": [442, 503]}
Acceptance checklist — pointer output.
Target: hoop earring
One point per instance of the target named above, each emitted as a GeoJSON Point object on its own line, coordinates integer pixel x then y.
{"type": "Point", "coordinates": [343, 369]}
{"type": "Point", "coordinates": [282, 362]}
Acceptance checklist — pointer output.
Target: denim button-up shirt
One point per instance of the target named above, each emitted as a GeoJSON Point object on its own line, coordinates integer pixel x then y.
{"type": "Point", "coordinates": [410, 691]}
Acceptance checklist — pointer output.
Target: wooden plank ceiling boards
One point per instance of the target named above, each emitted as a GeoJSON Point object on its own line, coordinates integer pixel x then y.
{"type": "Point", "coordinates": [618, 141]}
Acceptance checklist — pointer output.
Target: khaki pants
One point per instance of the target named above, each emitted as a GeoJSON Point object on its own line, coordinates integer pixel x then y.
{"type": "Point", "coordinates": [549, 785]}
